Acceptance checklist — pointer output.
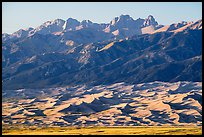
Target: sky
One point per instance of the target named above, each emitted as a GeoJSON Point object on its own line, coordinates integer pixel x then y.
{"type": "Point", "coordinates": [19, 15]}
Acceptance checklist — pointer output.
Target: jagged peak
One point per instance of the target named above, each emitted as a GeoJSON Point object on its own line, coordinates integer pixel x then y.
{"type": "Point", "coordinates": [5, 34]}
{"type": "Point", "coordinates": [114, 20]}
{"type": "Point", "coordinates": [72, 20]}
{"type": "Point", "coordinates": [26, 29]}
{"type": "Point", "coordinates": [121, 18]}
{"type": "Point", "coordinates": [50, 22]}
{"type": "Point", "coordinates": [86, 21]}
{"type": "Point", "coordinates": [59, 21]}
{"type": "Point", "coordinates": [150, 20]}
{"type": "Point", "coordinates": [150, 17]}
{"type": "Point", "coordinates": [70, 24]}
{"type": "Point", "coordinates": [125, 17]}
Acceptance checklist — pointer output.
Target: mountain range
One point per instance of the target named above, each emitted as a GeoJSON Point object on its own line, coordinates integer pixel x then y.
{"type": "Point", "coordinates": [70, 52]}
{"type": "Point", "coordinates": [122, 26]}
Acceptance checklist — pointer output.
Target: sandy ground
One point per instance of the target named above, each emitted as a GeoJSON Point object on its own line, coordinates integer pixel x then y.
{"type": "Point", "coordinates": [120, 104]}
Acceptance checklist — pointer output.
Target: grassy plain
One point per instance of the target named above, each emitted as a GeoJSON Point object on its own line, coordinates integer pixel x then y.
{"type": "Point", "coordinates": [139, 130]}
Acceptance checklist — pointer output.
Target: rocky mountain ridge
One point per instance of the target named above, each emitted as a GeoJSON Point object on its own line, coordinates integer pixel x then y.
{"type": "Point", "coordinates": [90, 56]}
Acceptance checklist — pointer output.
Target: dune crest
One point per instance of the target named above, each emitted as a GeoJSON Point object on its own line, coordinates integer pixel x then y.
{"type": "Point", "coordinates": [119, 104]}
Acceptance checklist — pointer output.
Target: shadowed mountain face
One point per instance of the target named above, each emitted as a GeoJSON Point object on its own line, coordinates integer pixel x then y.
{"type": "Point", "coordinates": [125, 50]}
{"type": "Point", "coordinates": [119, 104]}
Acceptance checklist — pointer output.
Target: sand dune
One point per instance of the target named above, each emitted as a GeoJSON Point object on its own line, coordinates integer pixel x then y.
{"type": "Point", "coordinates": [154, 103]}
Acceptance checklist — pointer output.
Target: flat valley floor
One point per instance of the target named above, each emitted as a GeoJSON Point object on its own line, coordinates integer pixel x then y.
{"type": "Point", "coordinates": [120, 130]}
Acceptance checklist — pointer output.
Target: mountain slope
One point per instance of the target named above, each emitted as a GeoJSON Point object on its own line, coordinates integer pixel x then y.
{"type": "Point", "coordinates": [164, 56]}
